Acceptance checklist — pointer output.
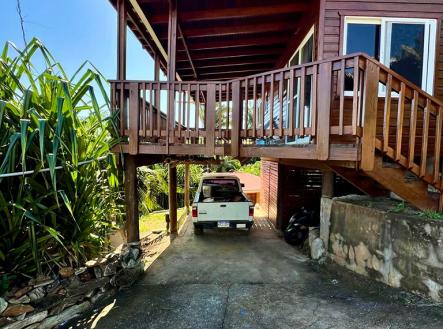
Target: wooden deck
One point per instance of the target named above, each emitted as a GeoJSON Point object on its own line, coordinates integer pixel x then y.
{"type": "Point", "coordinates": [302, 112]}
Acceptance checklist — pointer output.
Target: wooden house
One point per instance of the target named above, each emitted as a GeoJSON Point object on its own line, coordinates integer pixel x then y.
{"type": "Point", "coordinates": [348, 87]}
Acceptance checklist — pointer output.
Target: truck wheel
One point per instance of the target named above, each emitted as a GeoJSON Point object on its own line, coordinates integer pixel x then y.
{"type": "Point", "coordinates": [198, 230]}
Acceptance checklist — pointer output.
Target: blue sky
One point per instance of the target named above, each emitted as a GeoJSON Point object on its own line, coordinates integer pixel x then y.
{"type": "Point", "coordinates": [75, 31]}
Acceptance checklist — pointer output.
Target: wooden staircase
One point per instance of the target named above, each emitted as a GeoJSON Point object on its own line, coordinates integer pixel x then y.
{"type": "Point", "coordinates": [351, 111]}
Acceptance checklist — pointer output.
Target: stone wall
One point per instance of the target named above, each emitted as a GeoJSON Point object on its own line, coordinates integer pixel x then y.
{"type": "Point", "coordinates": [383, 240]}
{"type": "Point", "coordinates": [48, 301]}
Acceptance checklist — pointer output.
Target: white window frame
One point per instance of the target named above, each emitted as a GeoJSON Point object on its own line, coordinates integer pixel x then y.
{"type": "Point", "coordinates": [385, 41]}
{"type": "Point", "coordinates": [301, 45]}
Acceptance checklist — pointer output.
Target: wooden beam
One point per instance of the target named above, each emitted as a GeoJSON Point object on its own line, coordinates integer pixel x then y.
{"type": "Point", "coordinates": [172, 39]}
{"type": "Point", "coordinates": [131, 199]}
{"type": "Point", "coordinates": [187, 51]}
{"type": "Point", "coordinates": [235, 12]}
{"type": "Point", "coordinates": [216, 54]}
{"type": "Point", "coordinates": [235, 29]}
{"type": "Point", "coordinates": [138, 10]}
{"type": "Point", "coordinates": [121, 39]}
{"type": "Point", "coordinates": [265, 39]}
{"type": "Point", "coordinates": [172, 197]}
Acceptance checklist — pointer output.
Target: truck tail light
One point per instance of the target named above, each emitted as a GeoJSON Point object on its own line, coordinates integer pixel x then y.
{"type": "Point", "coordinates": [251, 211]}
{"type": "Point", "coordinates": [194, 211]}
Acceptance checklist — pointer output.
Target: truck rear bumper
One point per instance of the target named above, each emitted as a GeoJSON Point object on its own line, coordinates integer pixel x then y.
{"type": "Point", "coordinates": [232, 224]}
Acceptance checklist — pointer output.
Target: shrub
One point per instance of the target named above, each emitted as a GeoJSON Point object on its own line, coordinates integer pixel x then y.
{"type": "Point", "coordinates": [49, 121]}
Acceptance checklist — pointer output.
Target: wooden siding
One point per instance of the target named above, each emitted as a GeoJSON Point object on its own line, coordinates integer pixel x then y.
{"type": "Point", "coordinates": [333, 11]}
{"type": "Point", "coordinates": [270, 180]}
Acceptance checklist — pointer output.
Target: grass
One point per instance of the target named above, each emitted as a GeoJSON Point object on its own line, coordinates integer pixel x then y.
{"type": "Point", "coordinates": [156, 221]}
{"type": "Point", "coordinates": [432, 214]}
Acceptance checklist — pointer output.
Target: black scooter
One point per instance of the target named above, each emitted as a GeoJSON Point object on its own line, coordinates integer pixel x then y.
{"type": "Point", "coordinates": [297, 230]}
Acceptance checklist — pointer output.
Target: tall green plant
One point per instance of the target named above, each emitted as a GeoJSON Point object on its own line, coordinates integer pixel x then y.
{"type": "Point", "coordinates": [49, 120]}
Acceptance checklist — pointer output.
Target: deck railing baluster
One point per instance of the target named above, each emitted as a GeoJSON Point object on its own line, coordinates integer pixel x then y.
{"type": "Point", "coordinates": [437, 146]}
{"type": "Point", "coordinates": [425, 138]}
{"type": "Point", "coordinates": [412, 129]}
{"type": "Point", "coordinates": [400, 116]}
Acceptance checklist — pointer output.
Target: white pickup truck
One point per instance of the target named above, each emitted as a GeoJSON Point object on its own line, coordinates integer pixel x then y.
{"type": "Point", "coordinates": [220, 202]}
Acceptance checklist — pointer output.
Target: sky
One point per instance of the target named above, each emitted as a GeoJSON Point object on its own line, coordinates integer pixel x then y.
{"type": "Point", "coordinates": [75, 31]}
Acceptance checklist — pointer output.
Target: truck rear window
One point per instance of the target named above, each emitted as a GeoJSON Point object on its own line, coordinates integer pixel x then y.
{"type": "Point", "coordinates": [220, 190]}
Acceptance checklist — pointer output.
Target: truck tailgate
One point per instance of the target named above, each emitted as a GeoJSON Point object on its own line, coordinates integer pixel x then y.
{"type": "Point", "coordinates": [216, 211]}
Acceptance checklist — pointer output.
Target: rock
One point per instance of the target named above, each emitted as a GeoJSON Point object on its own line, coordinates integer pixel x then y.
{"type": "Point", "coordinates": [66, 272]}
{"type": "Point", "coordinates": [91, 263]}
{"type": "Point", "coordinates": [36, 294]}
{"type": "Point", "coordinates": [317, 249]}
{"type": "Point", "coordinates": [76, 290]}
{"type": "Point", "coordinates": [66, 315]}
{"type": "Point", "coordinates": [135, 252]}
{"type": "Point", "coordinates": [16, 310]}
{"type": "Point", "coordinates": [112, 257]}
{"type": "Point", "coordinates": [22, 300]}
{"type": "Point", "coordinates": [110, 269]}
{"type": "Point", "coordinates": [43, 282]}
{"type": "Point", "coordinates": [98, 272]}
{"type": "Point", "coordinates": [23, 291]}
{"type": "Point", "coordinates": [102, 295]}
{"type": "Point", "coordinates": [3, 305]}
{"type": "Point", "coordinates": [80, 270]}
{"type": "Point", "coordinates": [85, 277]}
{"type": "Point", "coordinates": [127, 277]}
{"type": "Point", "coordinates": [32, 319]}
{"type": "Point", "coordinates": [20, 317]}
{"type": "Point", "coordinates": [131, 263]}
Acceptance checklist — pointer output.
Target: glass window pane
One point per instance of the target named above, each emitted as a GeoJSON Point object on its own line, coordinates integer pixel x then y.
{"type": "Point", "coordinates": [363, 38]}
{"type": "Point", "coordinates": [407, 49]}
{"type": "Point", "coordinates": [306, 51]}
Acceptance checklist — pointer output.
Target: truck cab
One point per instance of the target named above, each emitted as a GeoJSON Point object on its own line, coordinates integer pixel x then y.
{"type": "Point", "coordinates": [221, 203]}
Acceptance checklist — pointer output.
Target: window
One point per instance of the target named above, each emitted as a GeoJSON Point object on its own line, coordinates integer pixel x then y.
{"type": "Point", "coordinates": [407, 46]}
{"type": "Point", "coordinates": [304, 54]}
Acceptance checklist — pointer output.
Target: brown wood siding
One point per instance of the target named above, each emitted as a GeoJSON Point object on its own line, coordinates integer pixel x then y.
{"type": "Point", "coordinates": [270, 180]}
{"type": "Point", "coordinates": [331, 31]}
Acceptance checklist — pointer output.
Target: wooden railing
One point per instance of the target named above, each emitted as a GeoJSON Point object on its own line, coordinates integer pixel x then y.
{"type": "Point", "coordinates": [303, 104]}
{"type": "Point", "coordinates": [404, 123]}
{"type": "Point", "coordinates": [351, 100]}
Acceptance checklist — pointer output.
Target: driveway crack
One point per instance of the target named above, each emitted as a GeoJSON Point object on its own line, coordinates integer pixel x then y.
{"type": "Point", "coordinates": [226, 306]}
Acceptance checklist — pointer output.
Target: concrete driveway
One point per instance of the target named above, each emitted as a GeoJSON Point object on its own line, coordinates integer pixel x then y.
{"type": "Point", "coordinates": [227, 279]}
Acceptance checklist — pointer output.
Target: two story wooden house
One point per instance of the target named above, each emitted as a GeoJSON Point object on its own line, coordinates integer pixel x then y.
{"type": "Point", "coordinates": [344, 86]}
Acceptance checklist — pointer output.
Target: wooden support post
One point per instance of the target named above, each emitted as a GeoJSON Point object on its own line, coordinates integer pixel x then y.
{"type": "Point", "coordinates": [121, 39]}
{"type": "Point", "coordinates": [187, 195]}
{"type": "Point", "coordinates": [172, 49]}
{"type": "Point", "coordinates": [324, 110]}
{"type": "Point", "coordinates": [327, 185]}
{"type": "Point", "coordinates": [134, 102]}
{"type": "Point", "coordinates": [210, 121]}
{"type": "Point", "coordinates": [131, 199]}
{"type": "Point", "coordinates": [172, 39]}
{"type": "Point", "coordinates": [172, 197]}
{"type": "Point", "coordinates": [370, 100]}
{"type": "Point", "coordinates": [236, 118]}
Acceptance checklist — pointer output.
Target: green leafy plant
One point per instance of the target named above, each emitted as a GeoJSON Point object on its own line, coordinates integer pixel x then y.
{"type": "Point", "coordinates": [432, 214]}
{"type": "Point", "coordinates": [399, 207]}
{"type": "Point", "coordinates": [53, 126]}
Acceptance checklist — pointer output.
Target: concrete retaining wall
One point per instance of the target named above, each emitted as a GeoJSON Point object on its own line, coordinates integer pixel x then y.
{"type": "Point", "coordinates": [375, 238]}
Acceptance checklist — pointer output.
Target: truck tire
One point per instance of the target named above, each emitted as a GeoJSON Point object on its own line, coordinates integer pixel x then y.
{"type": "Point", "coordinates": [198, 230]}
